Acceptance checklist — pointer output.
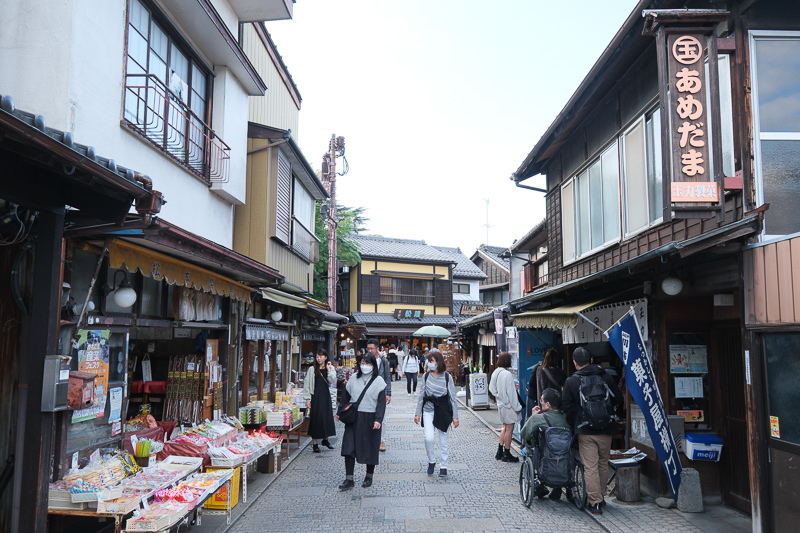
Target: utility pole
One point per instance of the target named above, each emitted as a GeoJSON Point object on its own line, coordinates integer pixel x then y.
{"type": "Point", "coordinates": [487, 226]}
{"type": "Point", "coordinates": [335, 148]}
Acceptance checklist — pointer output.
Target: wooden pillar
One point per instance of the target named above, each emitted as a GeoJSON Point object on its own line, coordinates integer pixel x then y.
{"type": "Point", "coordinates": [245, 372]}
{"type": "Point", "coordinates": [273, 368]}
{"type": "Point", "coordinates": [39, 337]}
{"type": "Point", "coordinates": [260, 371]}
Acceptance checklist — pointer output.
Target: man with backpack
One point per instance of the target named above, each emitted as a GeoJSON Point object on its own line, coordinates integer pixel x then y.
{"type": "Point", "coordinates": [554, 464]}
{"type": "Point", "coordinates": [589, 400]}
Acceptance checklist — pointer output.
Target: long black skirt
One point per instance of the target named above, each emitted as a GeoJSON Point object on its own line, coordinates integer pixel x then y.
{"type": "Point", "coordinates": [321, 425]}
{"type": "Point", "coordinates": [361, 441]}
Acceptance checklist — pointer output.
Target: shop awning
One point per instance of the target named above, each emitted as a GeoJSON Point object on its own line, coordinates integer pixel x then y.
{"type": "Point", "coordinates": [487, 339]}
{"type": "Point", "coordinates": [556, 318]}
{"type": "Point", "coordinates": [397, 331]}
{"type": "Point", "coordinates": [284, 298]}
{"type": "Point", "coordinates": [328, 326]}
{"type": "Point", "coordinates": [159, 267]}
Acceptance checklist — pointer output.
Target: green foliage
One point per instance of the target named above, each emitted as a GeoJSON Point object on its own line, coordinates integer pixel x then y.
{"type": "Point", "coordinates": [351, 222]}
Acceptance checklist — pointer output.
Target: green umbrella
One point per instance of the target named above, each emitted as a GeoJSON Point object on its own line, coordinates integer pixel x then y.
{"type": "Point", "coordinates": [432, 331]}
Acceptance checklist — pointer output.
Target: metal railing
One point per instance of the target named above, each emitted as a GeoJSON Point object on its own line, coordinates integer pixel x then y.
{"type": "Point", "coordinates": [160, 116]}
{"type": "Point", "coordinates": [304, 242]}
{"type": "Point", "coordinates": [396, 298]}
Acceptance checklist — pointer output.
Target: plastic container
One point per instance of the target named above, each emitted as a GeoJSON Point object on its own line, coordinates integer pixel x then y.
{"type": "Point", "coordinates": [220, 498]}
{"type": "Point", "coordinates": [703, 447]}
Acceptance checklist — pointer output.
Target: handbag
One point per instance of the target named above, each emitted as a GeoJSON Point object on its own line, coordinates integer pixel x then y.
{"type": "Point", "coordinates": [348, 413]}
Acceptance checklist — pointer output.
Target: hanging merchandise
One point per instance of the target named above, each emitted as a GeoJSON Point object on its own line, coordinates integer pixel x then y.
{"type": "Point", "coordinates": [185, 383]}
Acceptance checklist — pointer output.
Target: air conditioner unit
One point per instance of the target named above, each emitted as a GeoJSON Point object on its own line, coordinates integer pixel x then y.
{"type": "Point", "coordinates": [543, 250]}
{"type": "Point", "coordinates": [56, 383]}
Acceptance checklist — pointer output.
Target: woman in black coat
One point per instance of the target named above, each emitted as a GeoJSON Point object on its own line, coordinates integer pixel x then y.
{"type": "Point", "coordinates": [545, 375]}
{"type": "Point", "coordinates": [362, 440]}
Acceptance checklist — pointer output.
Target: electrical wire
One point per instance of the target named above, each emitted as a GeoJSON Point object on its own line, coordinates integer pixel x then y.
{"type": "Point", "coordinates": [346, 167]}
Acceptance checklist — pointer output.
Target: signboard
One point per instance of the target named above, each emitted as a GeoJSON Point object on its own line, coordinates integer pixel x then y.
{"type": "Point", "coordinates": [601, 318]}
{"type": "Point", "coordinates": [409, 313]}
{"type": "Point", "coordinates": [473, 309]}
{"type": "Point", "coordinates": [93, 354]}
{"type": "Point", "coordinates": [479, 390]}
{"type": "Point", "coordinates": [641, 382]}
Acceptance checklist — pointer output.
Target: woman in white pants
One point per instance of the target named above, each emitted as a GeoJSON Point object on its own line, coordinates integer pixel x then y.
{"type": "Point", "coordinates": [437, 408]}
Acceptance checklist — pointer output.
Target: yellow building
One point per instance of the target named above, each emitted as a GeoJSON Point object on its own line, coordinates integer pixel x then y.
{"type": "Point", "coordinates": [399, 286]}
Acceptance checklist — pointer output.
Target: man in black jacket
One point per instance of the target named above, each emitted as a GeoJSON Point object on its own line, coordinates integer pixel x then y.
{"type": "Point", "coordinates": [594, 444]}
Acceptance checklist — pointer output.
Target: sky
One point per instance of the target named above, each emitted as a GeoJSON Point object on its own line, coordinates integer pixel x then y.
{"type": "Point", "coordinates": [439, 102]}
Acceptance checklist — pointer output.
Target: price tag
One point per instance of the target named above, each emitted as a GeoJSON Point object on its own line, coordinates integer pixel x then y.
{"type": "Point", "coordinates": [145, 504]}
{"type": "Point", "coordinates": [75, 461]}
{"type": "Point", "coordinates": [95, 455]}
{"type": "Point", "coordinates": [190, 367]}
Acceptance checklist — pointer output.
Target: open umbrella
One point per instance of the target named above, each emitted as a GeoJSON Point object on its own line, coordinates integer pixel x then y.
{"type": "Point", "coordinates": [432, 331]}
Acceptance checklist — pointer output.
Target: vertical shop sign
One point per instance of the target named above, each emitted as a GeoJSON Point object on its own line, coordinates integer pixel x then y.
{"type": "Point", "coordinates": [92, 354]}
{"type": "Point", "coordinates": [641, 382]}
{"type": "Point", "coordinates": [500, 335]}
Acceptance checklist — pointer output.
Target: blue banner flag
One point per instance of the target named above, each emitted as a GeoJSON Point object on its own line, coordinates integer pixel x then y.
{"type": "Point", "coordinates": [626, 339]}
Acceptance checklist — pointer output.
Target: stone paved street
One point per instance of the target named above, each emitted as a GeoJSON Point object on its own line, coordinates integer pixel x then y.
{"type": "Point", "coordinates": [480, 494]}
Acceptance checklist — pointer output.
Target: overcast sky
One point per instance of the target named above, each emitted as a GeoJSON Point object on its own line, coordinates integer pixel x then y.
{"type": "Point", "coordinates": [439, 102]}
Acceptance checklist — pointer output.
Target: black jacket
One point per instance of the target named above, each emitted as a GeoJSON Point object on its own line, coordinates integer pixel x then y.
{"type": "Point", "coordinates": [571, 399]}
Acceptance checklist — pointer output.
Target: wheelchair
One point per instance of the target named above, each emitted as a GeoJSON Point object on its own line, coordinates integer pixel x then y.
{"type": "Point", "coordinates": [529, 479]}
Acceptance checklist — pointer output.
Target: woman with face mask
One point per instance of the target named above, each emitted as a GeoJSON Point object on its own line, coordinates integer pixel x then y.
{"type": "Point", "coordinates": [436, 409]}
{"type": "Point", "coordinates": [361, 441]}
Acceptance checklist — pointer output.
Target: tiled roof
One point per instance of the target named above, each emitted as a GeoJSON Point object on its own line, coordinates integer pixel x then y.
{"type": "Point", "coordinates": [494, 253]}
{"type": "Point", "coordinates": [540, 227]}
{"type": "Point", "coordinates": [387, 247]}
{"type": "Point", "coordinates": [388, 318]}
{"type": "Point", "coordinates": [464, 267]}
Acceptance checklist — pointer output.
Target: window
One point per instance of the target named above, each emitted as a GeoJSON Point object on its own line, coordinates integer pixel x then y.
{"type": "Point", "coordinates": [166, 95]}
{"type": "Point", "coordinates": [776, 115]}
{"type": "Point", "coordinates": [590, 206]}
{"type": "Point", "coordinates": [406, 291]}
{"type": "Point", "coordinates": [461, 288]}
{"type": "Point", "coordinates": [294, 212]}
{"type": "Point", "coordinates": [494, 298]}
{"type": "Point", "coordinates": [642, 179]}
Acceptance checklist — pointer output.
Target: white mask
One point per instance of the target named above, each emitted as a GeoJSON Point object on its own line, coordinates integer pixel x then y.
{"type": "Point", "coordinates": [432, 366]}
{"type": "Point", "coordinates": [366, 369]}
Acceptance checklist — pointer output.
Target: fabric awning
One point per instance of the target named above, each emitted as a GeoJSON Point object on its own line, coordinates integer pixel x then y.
{"type": "Point", "coordinates": [556, 318]}
{"type": "Point", "coordinates": [328, 326]}
{"type": "Point", "coordinates": [284, 298]}
{"type": "Point", "coordinates": [487, 339]}
{"type": "Point", "coordinates": [159, 267]}
{"type": "Point", "coordinates": [399, 331]}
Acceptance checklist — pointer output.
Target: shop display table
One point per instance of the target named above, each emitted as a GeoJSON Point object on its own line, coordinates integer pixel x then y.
{"type": "Point", "coordinates": [226, 482]}
{"type": "Point", "coordinates": [288, 431]}
{"type": "Point", "coordinates": [252, 461]}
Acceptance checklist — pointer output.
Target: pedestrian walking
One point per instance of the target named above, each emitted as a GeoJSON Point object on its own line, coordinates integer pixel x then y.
{"type": "Point", "coordinates": [411, 370]}
{"type": "Point", "coordinates": [590, 396]}
{"type": "Point", "coordinates": [437, 409]}
{"type": "Point", "coordinates": [362, 438]}
{"type": "Point", "coordinates": [383, 371]}
{"type": "Point", "coordinates": [545, 375]}
{"type": "Point", "coordinates": [503, 388]}
{"type": "Point", "coordinates": [393, 362]}
{"type": "Point", "coordinates": [317, 395]}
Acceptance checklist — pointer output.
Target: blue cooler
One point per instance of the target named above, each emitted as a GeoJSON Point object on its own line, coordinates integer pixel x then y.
{"type": "Point", "coordinates": [703, 447]}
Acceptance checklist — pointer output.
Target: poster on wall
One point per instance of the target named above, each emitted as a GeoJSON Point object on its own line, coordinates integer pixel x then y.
{"type": "Point", "coordinates": [688, 359]}
{"type": "Point", "coordinates": [688, 387]}
{"type": "Point", "coordinates": [92, 354]}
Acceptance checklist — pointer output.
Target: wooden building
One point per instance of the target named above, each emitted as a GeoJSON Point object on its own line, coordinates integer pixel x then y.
{"type": "Point", "coordinates": [493, 289]}
{"type": "Point", "coordinates": [705, 256]}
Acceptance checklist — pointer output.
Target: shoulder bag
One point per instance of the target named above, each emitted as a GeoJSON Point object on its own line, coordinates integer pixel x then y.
{"type": "Point", "coordinates": [348, 413]}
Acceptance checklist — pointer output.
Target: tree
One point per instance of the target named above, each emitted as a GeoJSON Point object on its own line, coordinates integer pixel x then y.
{"type": "Point", "coordinates": [351, 221]}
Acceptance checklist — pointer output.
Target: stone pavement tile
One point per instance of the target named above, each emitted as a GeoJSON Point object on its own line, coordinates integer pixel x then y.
{"type": "Point", "coordinates": [437, 488]}
{"type": "Point", "coordinates": [400, 476]}
{"type": "Point", "coordinates": [505, 489]}
{"type": "Point", "coordinates": [402, 501]}
{"type": "Point", "coordinates": [401, 513]}
{"type": "Point", "coordinates": [454, 524]}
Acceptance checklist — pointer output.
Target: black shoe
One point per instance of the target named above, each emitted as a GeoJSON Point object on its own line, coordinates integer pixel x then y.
{"type": "Point", "coordinates": [603, 503]}
{"type": "Point", "coordinates": [555, 494]}
{"type": "Point", "coordinates": [570, 499]}
{"type": "Point", "coordinates": [347, 484]}
{"type": "Point", "coordinates": [327, 444]}
{"type": "Point", "coordinates": [596, 508]}
{"type": "Point", "coordinates": [367, 482]}
{"type": "Point", "coordinates": [509, 458]}
{"type": "Point", "coordinates": [316, 448]}
{"type": "Point", "coordinates": [431, 467]}
{"type": "Point", "coordinates": [539, 491]}
{"type": "Point", "coordinates": [499, 454]}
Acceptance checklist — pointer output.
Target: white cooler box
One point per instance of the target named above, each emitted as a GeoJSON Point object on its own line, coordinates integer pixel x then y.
{"type": "Point", "coordinates": [702, 447]}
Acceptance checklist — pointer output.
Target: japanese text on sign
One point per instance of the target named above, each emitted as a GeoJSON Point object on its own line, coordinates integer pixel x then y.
{"type": "Point", "coordinates": [691, 152]}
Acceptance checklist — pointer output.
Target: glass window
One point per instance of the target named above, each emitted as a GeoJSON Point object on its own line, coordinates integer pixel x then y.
{"type": "Point", "coordinates": [635, 174]}
{"type": "Point", "coordinates": [655, 190]}
{"type": "Point", "coordinates": [303, 205]}
{"type": "Point", "coordinates": [590, 204]}
{"type": "Point", "coordinates": [776, 75]}
{"type": "Point", "coordinates": [783, 374]}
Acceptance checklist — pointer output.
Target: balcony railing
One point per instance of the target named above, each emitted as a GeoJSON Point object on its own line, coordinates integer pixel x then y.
{"type": "Point", "coordinates": [304, 242]}
{"type": "Point", "coordinates": [397, 298]}
{"type": "Point", "coordinates": [160, 116]}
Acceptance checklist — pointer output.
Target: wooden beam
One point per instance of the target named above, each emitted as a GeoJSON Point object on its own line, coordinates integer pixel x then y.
{"type": "Point", "coordinates": [260, 371]}
{"type": "Point", "coordinates": [245, 372]}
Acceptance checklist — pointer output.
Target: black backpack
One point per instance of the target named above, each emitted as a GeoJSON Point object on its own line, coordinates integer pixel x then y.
{"type": "Point", "coordinates": [556, 456]}
{"type": "Point", "coordinates": [596, 404]}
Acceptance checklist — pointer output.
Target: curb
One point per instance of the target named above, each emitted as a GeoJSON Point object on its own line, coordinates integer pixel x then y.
{"type": "Point", "coordinates": [223, 528]}
{"type": "Point", "coordinates": [517, 448]}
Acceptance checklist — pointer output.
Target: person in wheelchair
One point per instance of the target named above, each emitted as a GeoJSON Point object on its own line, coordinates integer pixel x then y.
{"type": "Point", "coordinates": [547, 414]}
